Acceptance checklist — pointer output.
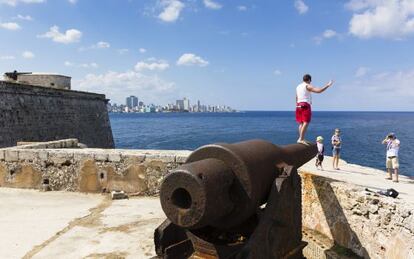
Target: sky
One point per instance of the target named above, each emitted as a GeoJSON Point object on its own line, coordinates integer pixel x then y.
{"type": "Point", "coordinates": [249, 54]}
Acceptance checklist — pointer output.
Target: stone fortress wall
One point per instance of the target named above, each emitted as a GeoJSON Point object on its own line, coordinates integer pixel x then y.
{"type": "Point", "coordinates": [52, 81]}
{"type": "Point", "coordinates": [34, 113]}
{"type": "Point", "coordinates": [39, 79]}
{"type": "Point", "coordinates": [340, 220]}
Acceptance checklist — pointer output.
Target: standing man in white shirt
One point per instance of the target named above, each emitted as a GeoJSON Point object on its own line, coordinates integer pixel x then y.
{"type": "Point", "coordinates": [393, 146]}
{"type": "Point", "coordinates": [303, 104]}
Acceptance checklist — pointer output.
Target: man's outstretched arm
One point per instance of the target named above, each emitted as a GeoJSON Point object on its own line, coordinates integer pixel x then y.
{"type": "Point", "coordinates": [319, 90]}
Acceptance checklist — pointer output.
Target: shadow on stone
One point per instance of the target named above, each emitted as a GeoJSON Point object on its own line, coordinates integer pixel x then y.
{"type": "Point", "coordinates": [346, 242]}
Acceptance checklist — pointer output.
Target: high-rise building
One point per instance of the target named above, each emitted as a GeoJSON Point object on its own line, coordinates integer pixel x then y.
{"type": "Point", "coordinates": [132, 101]}
{"type": "Point", "coordinates": [180, 105]}
{"type": "Point", "coordinates": [186, 104]}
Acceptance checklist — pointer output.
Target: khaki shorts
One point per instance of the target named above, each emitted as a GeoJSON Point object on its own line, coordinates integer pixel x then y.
{"type": "Point", "coordinates": [392, 163]}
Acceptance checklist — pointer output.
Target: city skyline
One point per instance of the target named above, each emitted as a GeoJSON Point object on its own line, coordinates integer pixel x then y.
{"type": "Point", "coordinates": [133, 104]}
{"type": "Point", "coordinates": [248, 54]}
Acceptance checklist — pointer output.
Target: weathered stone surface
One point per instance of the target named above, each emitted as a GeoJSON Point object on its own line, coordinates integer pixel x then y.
{"type": "Point", "coordinates": [132, 180]}
{"type": "Point", "coordinates": [11, 155]}
{"type": "Point", "coordinates": [3, 174]}
{"type": "Point", "coordinates": [28, 155]}
{"type": "Point", "coordinates": [370, 226]}
{"type": "Point", "coordinates": [101, 156]}
{"type": "Point", "coordinates": [114, 156]}
{"type": "Point", "coordinates": [25, 177]}
{"type": "Point", "coordinates": [89, 181]}
{"type": "Point", "coordinates": [60, 157]}
{"type": "Point", "coordinates": [32, 113]}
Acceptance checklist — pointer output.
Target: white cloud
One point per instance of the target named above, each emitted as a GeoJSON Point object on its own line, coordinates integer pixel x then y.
{"type": "Point", "coordinates": [327, 34]}
{"type": "Point", "coordinates": [69, 64]}
{"type": "Point", "coordinates": [277, 72]}
{"type": "Point", "coordinates": [24, 17]}
{"type": "Point", "coordinates": [212, 5]}
{"type": "Point", "coordinates": [152, 64]}
{"type": "Point", "coordinates": [83, 65]}
{"type": "Point", "coordinates": [358, 5]}
{"type": "Point", "coordinates": [7, 57]}
{"type": "Point", "coordinates": [28, 54]}
{"type": "Point", "coordinates": [15, 2]}
{"type": "Point", "coordinates": [70, 36]}
{"type": "Point", "coordinates": [118, 84]}
{"type": "Point", "coordinates": [73, 1]}
{"type": "Point", "coordinates": [242, 8]}
{"type": "Point", "coordinates": [98, 45]}
{"type": "Point", "coordinates": [122, 51]}
{"type": "Point", "coordinates": [301, 7]}
{"type": "Point", "coordinates": [142, 50]}
{"type": "Point", "coordinates": [171, 10]}
{"type": "Point", "coordinates": [189, 59]}
{"type": "Point", "coordinates": [388, 84]}
{"type": "Point", "coordinates": [361, 71]}
{"type": "Point", "coordinates": [392, 19]}
{"type": "Point", "coordinates": [89, 65]}
{"type": "Point", "coordinates": [102, 45]}
{"type": "Point", "coordinates": [12, 26]}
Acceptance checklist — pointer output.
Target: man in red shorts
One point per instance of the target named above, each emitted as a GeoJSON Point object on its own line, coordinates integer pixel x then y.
{"type": "Point", "coordinates": [303, 104]}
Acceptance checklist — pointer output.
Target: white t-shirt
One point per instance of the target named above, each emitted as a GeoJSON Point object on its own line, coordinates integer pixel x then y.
{"type": "Point", "coordinates": [393, 147]}
{"type": "Point", "coordinates": [303, 94]}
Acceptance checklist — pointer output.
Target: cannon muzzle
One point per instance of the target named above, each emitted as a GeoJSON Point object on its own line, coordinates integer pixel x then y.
{"type": "Point", "coordinates": [222, 185]}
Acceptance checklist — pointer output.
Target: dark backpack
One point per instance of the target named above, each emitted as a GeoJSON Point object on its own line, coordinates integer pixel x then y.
{"type": "Point", "coordinates": [390, 193]}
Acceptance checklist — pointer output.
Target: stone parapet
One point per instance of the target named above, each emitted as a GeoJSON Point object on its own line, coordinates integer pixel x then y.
{"type": "Point", "coordinates": [357, 222]}
{"type": "Point", "coordinates": [87, 170]}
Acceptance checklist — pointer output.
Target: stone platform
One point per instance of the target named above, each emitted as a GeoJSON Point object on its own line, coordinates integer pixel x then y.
{"type": "Point", "coordinates": [339, 217]}
{"type": "Point", "coordinates": [72, 225]}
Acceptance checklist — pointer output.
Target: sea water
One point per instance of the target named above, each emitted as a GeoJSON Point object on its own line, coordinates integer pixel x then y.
{"type": "Point", "coordinates": [362, 132]}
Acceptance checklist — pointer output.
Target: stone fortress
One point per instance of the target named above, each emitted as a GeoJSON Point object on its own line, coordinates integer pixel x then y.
{"type": "Point", "coordinates": [340, 219]}
{"type": "Point", "coordinates": [42, 107]}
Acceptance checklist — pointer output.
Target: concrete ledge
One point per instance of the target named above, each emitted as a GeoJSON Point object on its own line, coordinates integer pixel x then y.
{"type": "Point", "coordinates": [63, 143]}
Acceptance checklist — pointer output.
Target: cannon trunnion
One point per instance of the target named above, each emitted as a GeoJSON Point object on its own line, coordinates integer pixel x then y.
{"type": "Point", "coordinates": [238, 200]}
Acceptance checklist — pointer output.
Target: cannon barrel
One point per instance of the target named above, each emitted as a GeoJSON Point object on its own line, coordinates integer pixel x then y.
{"type": "Point", "coordinates": [222, 185]}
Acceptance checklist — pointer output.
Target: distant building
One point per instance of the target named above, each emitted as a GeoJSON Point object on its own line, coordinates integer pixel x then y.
{"type": "Point", "coordinates": [187, 106]}
{"type": "Point", "coordinates": [180, 105]}
{"type": "Point", "coordinates": [132, 102]}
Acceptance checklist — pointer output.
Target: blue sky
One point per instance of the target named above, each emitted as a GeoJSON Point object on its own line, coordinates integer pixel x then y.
{"type": "Point", "coordinates": [249, 54]}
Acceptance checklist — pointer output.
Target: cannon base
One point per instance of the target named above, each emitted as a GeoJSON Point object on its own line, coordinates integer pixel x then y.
{"type": "Point", "coordinates": [273, 232]}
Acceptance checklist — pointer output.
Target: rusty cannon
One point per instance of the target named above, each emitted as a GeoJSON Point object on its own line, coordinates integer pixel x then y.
{"type": "Point", "coordinates": [239, 200]}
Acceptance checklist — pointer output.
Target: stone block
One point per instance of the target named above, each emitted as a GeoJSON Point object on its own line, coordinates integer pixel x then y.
{"type": "Point", "coordinates": [11, 155]}
{"type": "Point", "coordinates": [180, 159]}
{"type": "Point", "coordinates": [42, 155]}
{"type": "Point", "coordinates": [118, 195]}
{"type": "Point", "coordinates": [60, 157]}
{"type": "Point", "coordinates": [166, 158]}
{"type": "Point", "coordinates": [409, 223]}
{"type": "Point", "coordinates": [82, 155]}
{"type": "Point", "coordinates": [100, 156]}
{"type": "Point", "coordinates": [1, 154]}
{"type": "Point", "coordinates": [27, 155]}
{"type": "Point", "coordinates": [132, 157]}
{"type": "Point", "coordinates": [114, 157]}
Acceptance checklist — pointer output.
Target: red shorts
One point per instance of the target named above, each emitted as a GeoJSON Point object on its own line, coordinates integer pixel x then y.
{"type": "Point", "coordinates": [303, 112]}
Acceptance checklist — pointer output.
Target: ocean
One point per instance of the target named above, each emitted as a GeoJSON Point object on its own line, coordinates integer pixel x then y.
{"type": "Point", "coordinates": [362, 132]}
